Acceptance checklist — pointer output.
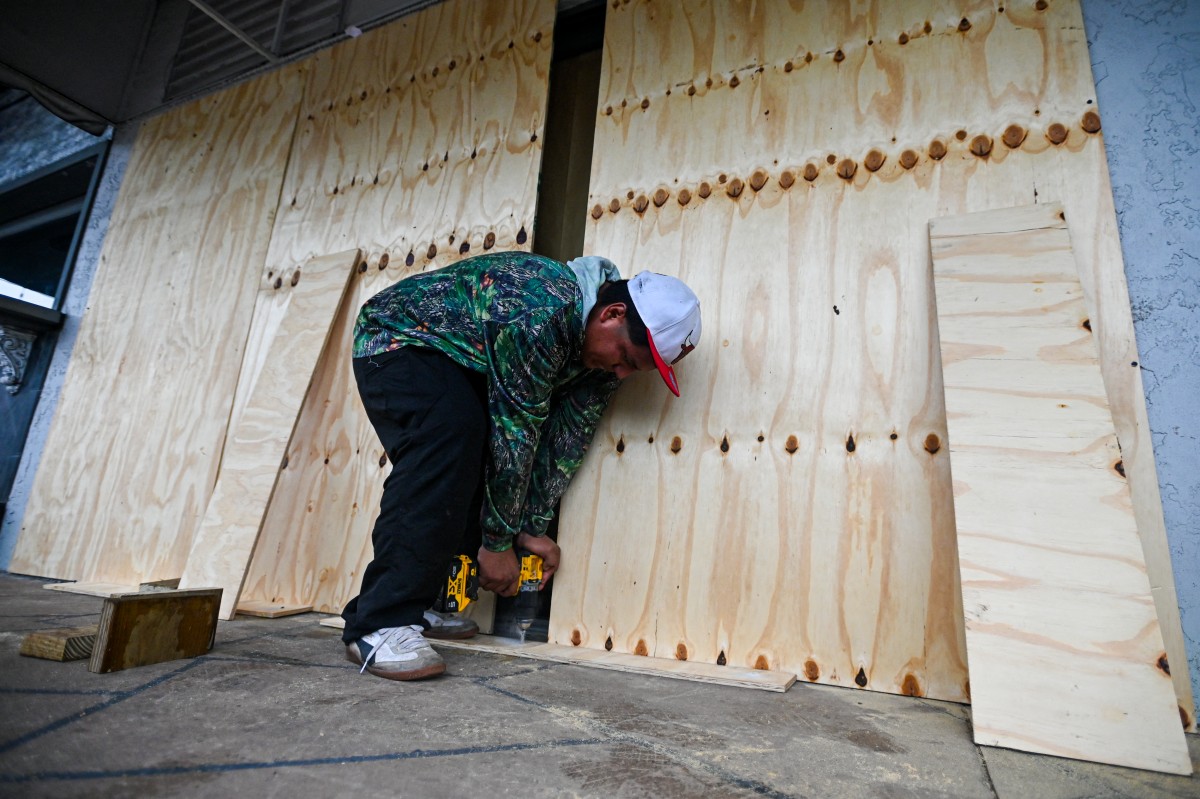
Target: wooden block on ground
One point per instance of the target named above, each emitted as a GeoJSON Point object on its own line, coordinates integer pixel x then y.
{"type": "Point", "coordinates": [634, 664]}
{"type": "Point", "coordinates": [93, 589]}
{"type": "Point", "coordinates": [336, 622]}
{"type": "Point", "coordinates": [144, 628]}
{"type": "Point", "coordinates": [270, 610]}
{"type": "Point", "coordinates": [64, 643]}
{"type": "Point", "coordinates": [1064, 648]}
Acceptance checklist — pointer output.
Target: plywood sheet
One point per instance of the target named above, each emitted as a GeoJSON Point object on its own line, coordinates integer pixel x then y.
{"type": "Point", "coordinates": [1063, 641]}
{"type": "Point", "coordinates": [142, 629]}
{"type": "Point", "coordinates": [794, 508]}
{"type": "Point", "coordinates": [292, 318]}
{"type": "Point", "coordinates": [419, 143]}
{"type": "Point", "coordinates": [132, 453]}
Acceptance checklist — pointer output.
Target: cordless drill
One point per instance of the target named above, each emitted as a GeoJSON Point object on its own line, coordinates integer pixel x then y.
{"type": "Point", "coordinates": [526, 605]}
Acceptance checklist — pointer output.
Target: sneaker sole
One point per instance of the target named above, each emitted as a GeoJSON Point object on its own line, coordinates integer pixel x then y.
{"type": "Point", "coordinates": [444, 636]}
{"type": "Point", "coordinates": [403, 676]}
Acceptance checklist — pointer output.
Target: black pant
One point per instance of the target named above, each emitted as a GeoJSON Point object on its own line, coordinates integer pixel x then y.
{"type": "Point", "coordinates": [431, 416]}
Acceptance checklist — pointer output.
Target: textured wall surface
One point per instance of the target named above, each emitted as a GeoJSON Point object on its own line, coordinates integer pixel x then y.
{"type": "Point", "coordinates": [31, 137]}
{"type": "Point", "coordinates": [1146, 61]}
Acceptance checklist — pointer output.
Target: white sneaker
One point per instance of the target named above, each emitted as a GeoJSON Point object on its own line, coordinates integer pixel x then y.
{"type": "Point", "coordinates": [396, 653]}
{"type": "Point", "coordinates": [449, 625]}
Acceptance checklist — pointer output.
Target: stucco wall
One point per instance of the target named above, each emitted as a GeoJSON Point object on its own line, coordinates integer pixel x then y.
{"type": "Point", "coordinates": [1146, 61]}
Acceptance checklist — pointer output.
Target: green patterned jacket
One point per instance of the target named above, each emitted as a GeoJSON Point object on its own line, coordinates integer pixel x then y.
{"type": "Point", "coordinates": [519, 318]}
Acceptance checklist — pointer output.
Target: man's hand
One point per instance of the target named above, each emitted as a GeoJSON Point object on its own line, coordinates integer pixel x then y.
{"type": "Point", "coordinates": [499, 571]}
{"type": "Point", "coordinates": [545, 548]}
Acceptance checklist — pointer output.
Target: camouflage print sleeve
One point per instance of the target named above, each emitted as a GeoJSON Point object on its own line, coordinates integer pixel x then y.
{"type": "Point", "coordinates": [525, 360]}
{"type": "Point", "coordinates": [575, 411]}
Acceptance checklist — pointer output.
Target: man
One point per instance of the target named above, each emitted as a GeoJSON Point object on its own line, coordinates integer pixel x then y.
{"type": "Point", "coordinates": [485, 381]}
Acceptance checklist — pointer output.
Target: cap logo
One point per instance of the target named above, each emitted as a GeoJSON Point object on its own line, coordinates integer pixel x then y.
{"type": "Point", "coordinates": [684, 348]}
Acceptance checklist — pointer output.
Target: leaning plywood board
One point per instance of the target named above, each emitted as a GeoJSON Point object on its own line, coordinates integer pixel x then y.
{"type": "Point", "coordinates": [292, 319]}
{"type": "Point", "coordinates": [142, 629]}
{"type": "Point", "coordinates": [795, 506]}
{"type": "Point", "coordinates": [1063, 641]}
{"type": "Point", "coordinates": [132, 453]}
{"type": "Point", "coordinates": [420, 143]}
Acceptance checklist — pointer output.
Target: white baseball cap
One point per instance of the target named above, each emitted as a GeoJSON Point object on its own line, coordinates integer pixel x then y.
{"type": "Point", "coordinates": [671, 314]}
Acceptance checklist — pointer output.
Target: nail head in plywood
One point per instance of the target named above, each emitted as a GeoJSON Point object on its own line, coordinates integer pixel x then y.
{"type": "Point", "coordinates": [1054, 582]}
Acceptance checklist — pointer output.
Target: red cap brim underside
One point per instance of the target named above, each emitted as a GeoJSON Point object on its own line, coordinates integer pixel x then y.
{"type": "Point", "coordinates": [664, 368]}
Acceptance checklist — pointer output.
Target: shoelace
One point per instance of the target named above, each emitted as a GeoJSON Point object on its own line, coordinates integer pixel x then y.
{"type": "Point", "coordinates": [397, 639]}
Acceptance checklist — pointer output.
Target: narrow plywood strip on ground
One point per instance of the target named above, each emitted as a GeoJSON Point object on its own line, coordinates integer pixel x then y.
{"type": "Point", "coordinates": [293, 316]}
{"type": "Point", "coordinates": [1063, 643]}
{"type": "Point", "coordinates": [765, 680]}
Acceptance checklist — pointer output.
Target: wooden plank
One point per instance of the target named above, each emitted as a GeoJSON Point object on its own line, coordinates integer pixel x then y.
{"type": "Point", "coordinates": [1053, 579]}
{"type": "Point", "coordinates": [434, 157]}
{"type": "Point", "coordinates": [93, 588]}
{"type": "Point", "coordinates": [797, 501]}
{"type": "Point", "coordinates": [142, 629]}
{"type": "Point", "coordinates": [151, 382]}
{"type": "Point", "coordinates": [630, 664]}
{"type": "Point", "coordinates": [616, 661]}
{"type": "Point", "coordinates": [62, 644]}
{"type": "Point", "coordinates": [294, 314]}
{"type": "Point", "coordinates": [269, 610]}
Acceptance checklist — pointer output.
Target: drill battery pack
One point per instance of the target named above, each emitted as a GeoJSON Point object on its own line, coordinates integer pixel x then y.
{"type": "Point", "coordinates": [461, 587]}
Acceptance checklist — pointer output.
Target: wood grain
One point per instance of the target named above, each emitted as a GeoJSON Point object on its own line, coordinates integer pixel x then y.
{"type": "Point", "coordinates": [133, 451]}
{"type": "Point", "coordinates": [292, 319]}
{"type": "Point", "coordinates": [62, 644]}
{"type": "Point", "coordinates": [795, 506]}
{"type": "Point", "coordinates": [1062, 636]}
{"type": "Point", "coordinates": [419, 143]}
{"type": "Point", "coordinates": [142, 629]}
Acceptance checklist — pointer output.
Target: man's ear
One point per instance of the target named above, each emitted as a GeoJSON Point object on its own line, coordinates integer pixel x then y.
{"type": "Point", "coordinates": [613, 311]}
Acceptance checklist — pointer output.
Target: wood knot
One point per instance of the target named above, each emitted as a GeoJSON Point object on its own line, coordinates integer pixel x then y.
{"type": "Point", "coordinates": [1041, 5]}
{"type": "Point", "coordinates": [964, 25]}
{"type": "Point", "coordinates": [734, 82]}
{"type": "Point", "coordinates": [383, 261]}
{"type": "Point", "coordinates": [787, 179]}
{"type": "Point", "coordinates": [721, 658]}
{"type": "Point", "coordinates": [383, 460]}
{"type": "Point", "coordinates": [684, 197]}
{"type": "Point", "coordinates": [1119, 467]}
{"type": "Point", "coordinates": [362, 266]}
{"type": "Point", "coordinates": [831, 159]}
{"type": "Point", "coordinates": [791, 445]}
{"type": "Point", "coordinates": [676, 445]}
{"type": "Point", "coordinates": [908, 159]}
{"type": "Point", "coordinates": [932, 443]}
{"type": "Point", "coordinates": [1090, 122]}
{"type": "Point", "coordinates": [641, 204]}
{"type": "Point", "coordinates": [620, 445]}
{"type": "Point", "coordinates": [762, 664]}
{"type": "Point", "coordinates": [860, 679]}
{"type": "Point", "coordinates": [789, 66]}
{"type": "Point", "coordinates": [464, 248]}
{"type": "Point", "coordinates": [681, 652]}
{"type": "Point", "coordinates": [874, 160]}
{"type": "Point", "coordinates": [522, 236]}
{"type": "Point", "coordinates": [937, 149]}
{"type": "Point", "coordinates": [961, 135]}
{"type": "Point", "coordinates": [758, 179]}
{"type": "Point", "coordinates": [911, 686]}
{"type": "Point", "coordinates": [489, 241]}
{"type": "Point", "coordinates": [903, 38]}
{"type": "Point", "coordinates": [1086, 324]}
{"type": "Point", "coordinates": [608, 643]}
{"type": "Point", "coordinates": [704, 190]}
{"type": "Point", "coordinates": [1057, 133]}
{"type": "Point", "coordinates": [734, 188]}
{"type": "Point", "coordinates": [614, 205]}
{"type": "Point", "coordinates": [981, 145]}
{"type": "Point", "coordinates": [410, 259]}
{"type": "Point", "coordinates": [724, 443]}
{"type": "Point", "coordinates": [641, 649]}
{"type": "Point", "coordinates": [295, 276]}
{"type": "Point", "coordinates": [1163, 665]}
{"type": "Point", "coordinates": [431, 253]}
{"type": "Point", "coordinates": [645, 103]}
{"type": "Point", "coordinates": [839, 56]}
{"type": "Point", "coordinates": [597, 211]}
{"type": "Point", "coordinates": [660, 196]}
{"type": "Point", "coordinates": [1013, 136]}
{"type": "Point", "coordinates": [850, 445]}
{"type": "Point", "coordinates": [811, 172]}
{"type": "Point", "coordinates": [279, 282]}
{"type": "Point", "coordinates": [846, 168]}
{"type": "Point", "coordinates": [811, 670]}
{"type": "Point", "coordinates": [576, 639]}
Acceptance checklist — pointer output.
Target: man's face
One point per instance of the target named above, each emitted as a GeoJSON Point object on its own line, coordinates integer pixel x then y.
{"type": "Point", "coordinates": [606, 344]}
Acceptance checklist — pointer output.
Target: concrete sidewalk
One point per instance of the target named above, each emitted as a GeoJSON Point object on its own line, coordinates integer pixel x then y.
{"type": "Point", "coordinates": [274, 710]}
